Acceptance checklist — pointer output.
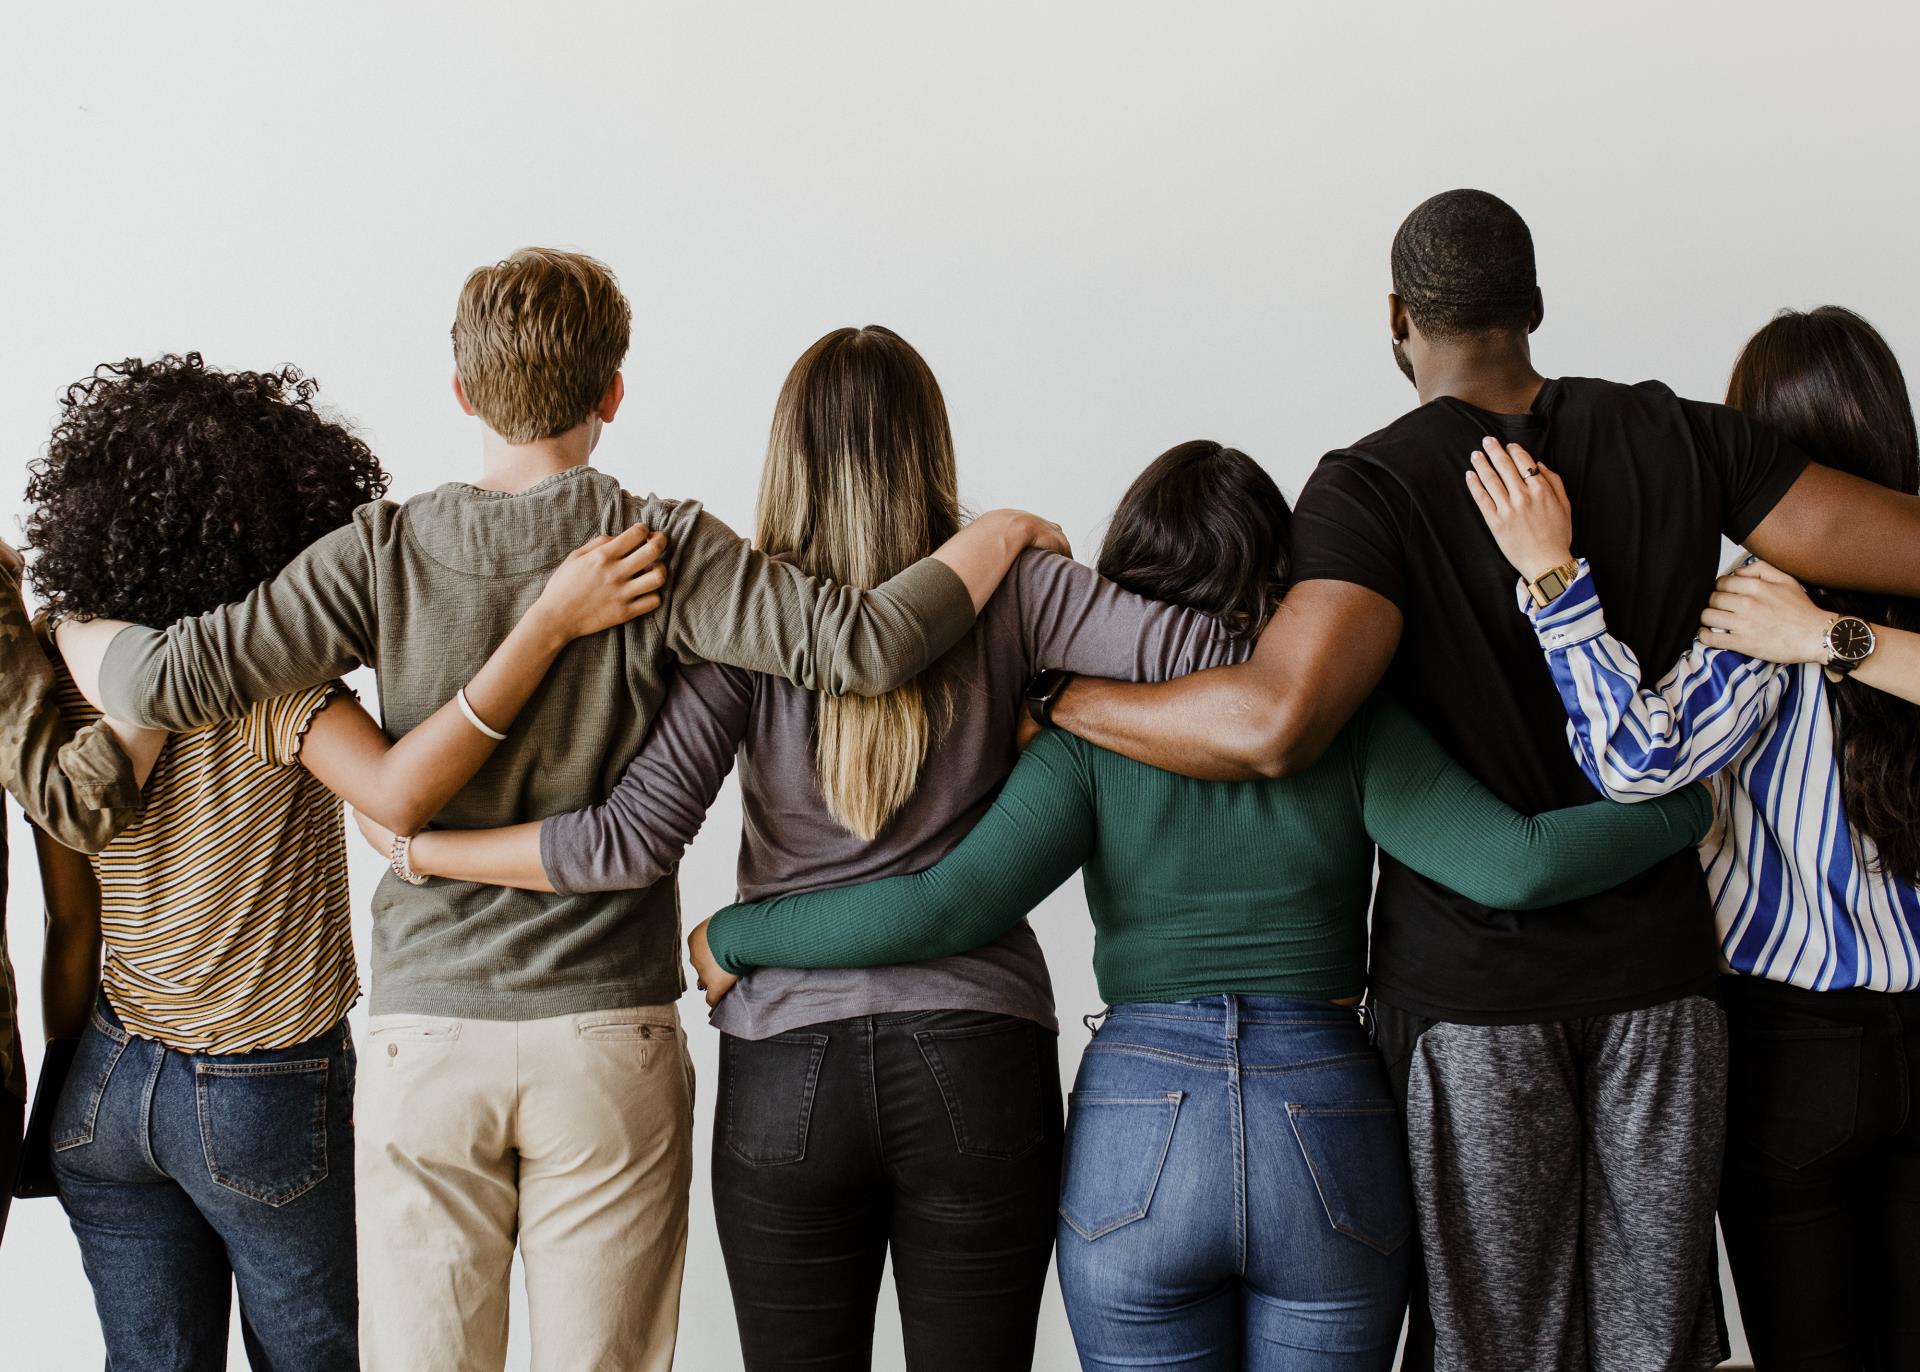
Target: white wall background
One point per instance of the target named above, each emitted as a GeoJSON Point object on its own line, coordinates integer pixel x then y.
{"type": "Point", "coordinates": [1109, 227]}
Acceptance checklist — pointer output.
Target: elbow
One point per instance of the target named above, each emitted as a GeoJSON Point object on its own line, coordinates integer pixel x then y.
{"type": "Point", "coordinates": [401, 810]}
{"type": "Point", "coordinates": [1274, 741]}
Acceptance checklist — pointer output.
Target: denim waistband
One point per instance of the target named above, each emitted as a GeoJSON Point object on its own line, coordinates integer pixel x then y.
{"type": "Point", "coordinates": [1230, 1012]}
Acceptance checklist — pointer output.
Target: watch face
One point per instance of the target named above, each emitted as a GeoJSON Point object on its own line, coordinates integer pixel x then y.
{"type": "Point", "coordinates": [1552, 585]}
{"type": "Point", "coordinates": [1850, 640]}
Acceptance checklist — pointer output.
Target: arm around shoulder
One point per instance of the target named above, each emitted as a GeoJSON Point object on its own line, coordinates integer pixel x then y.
{"type": "Point", "coordinates": [1833, 529]}
{"type": "Point", "coordinates": [1035, 835]}
{"type": "Point", "coordinates": [312, 622]}
{"type": "Point", "coordinates": [1428, 811]}
{"type": "Point", "coordinates": [733, 604]}
{"type": "Point", "coordinates": [1327, 646]}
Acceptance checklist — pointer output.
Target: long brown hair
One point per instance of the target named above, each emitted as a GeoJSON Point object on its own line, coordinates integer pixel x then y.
{"type": "Point", "coordinates": [859, 484]}
{"type": "Point", "coordinates": [1828, 381]}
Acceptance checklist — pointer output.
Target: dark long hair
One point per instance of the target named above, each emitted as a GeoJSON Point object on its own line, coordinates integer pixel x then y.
{"type": "Point", "coordinates": [1203, 526]}
{"type": "Point", "coordinates": [1828, 381]}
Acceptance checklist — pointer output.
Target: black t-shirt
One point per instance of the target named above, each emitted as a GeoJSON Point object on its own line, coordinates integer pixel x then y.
{"type": "Point", "coordinates": [1655, 481]}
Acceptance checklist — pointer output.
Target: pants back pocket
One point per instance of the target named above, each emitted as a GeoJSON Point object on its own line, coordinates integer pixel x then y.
{"type": "Point", "coordinates": [263, 1126]}
{"type": "Point", "coordinates": [1116, 1149]}
{"type": "Point", "coordinates": [767, 1095]}
{"type": "Point", "coordinates": [1000, 1095]}
{"type": "Point", "coordinates": [1359, 1165]}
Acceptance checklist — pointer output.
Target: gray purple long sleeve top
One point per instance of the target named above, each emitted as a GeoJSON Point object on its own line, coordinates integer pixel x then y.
{"type": "Point", "coordinates": [1050, 612]}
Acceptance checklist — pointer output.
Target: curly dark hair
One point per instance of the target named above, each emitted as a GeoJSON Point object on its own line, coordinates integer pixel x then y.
{"type": "Point", "coordinates": [1463, 264]}
{"type": "Point", "coordinates": [169, 488]}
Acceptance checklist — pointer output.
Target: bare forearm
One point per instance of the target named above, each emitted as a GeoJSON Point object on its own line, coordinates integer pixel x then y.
{"type": "Point", "coordinates": [1325, 650]}
{"type": "Point", "coordinates": [1216, 725]}
{"type": "Point", "coordinates": [422, 771]}
{"type": "Point", "coordinates": [492, 857]}
{"type": "Point", "coordinates": [984, 552]}
{"type": "Point", "coordinates": [70, 968]}
{"type": "Point", "coordinates": [1894, 664]}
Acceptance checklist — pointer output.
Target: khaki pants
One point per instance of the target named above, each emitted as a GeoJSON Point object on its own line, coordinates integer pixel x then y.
{"type": "Point", "coordinates": [573, 1135]}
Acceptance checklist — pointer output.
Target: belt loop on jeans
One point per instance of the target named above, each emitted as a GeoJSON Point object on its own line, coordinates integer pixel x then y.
{"type": "Point", "coordinates": [1233, 1016]}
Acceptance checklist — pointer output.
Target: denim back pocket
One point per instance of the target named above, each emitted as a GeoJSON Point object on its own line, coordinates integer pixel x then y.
{"type": "Point", "coordinates": [1794, 1094]}
{"type": "Point", "coordinates": [1358, 1159]}
{"type": "Point", "coordinates": [1116, 1148]}
{"type": "Point", "coordinates": [263, 1126]}
{"type": "Point", "coordinates": [993, 1081]}
{"type": "Point", "coordinates": [768, 1100]}
{"type": "Point", "coordinates": [78, 1108]}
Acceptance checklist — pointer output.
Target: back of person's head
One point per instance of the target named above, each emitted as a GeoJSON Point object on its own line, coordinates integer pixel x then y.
{"type": "Point", "coordinates": [859, 484]}
{"type": "Point", "coordinates": [537, 340]}
{"type": "Point", "coordinates": [1463, 265]}
{"type": "Point", "coordinates": [1827, 380]}
{"type": "Point", "coordinates": [169, 488]}
{"type": "Point", "coordinates": [1205, 527]}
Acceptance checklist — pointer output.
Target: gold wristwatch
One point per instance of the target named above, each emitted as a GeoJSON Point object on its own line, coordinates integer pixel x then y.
{"type": "Point", "coordinates": [1551, 584]}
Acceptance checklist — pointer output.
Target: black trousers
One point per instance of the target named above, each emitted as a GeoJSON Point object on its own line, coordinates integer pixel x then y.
{"type": "Point", "coordinates": [1820, 1199]}
{"type": "Point", "coordinates": [935, 1135]}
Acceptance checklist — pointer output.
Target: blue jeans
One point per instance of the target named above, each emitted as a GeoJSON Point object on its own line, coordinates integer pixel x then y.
{"type": "Point", "coordinates": [186, 1174]}
{"type": "Point", "coordinates": [1235, 1191]}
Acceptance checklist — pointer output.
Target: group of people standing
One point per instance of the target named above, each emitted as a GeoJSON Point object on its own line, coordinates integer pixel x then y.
{"type": "Point", "coordinates": [1494, 1087]}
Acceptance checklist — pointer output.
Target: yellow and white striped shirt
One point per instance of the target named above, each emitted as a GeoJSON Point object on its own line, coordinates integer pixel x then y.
{"type": "Point", "coordinates": [223, 907]}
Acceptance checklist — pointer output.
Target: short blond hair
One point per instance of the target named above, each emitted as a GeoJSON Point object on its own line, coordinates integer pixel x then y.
{"type": "Point", "coordinates": [537, 339]}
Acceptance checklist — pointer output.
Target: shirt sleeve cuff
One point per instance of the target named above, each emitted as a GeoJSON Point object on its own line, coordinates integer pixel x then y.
{"type": "Point", "coordinates": [1575, 616]}
{"type": "Point", "coordinates": [124, 671]}
{"type": "Point", "coordinates": [719, 942]}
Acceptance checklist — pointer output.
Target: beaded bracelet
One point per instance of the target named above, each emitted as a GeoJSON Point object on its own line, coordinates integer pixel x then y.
{"type": "Point", "coordinates": [400, 859]}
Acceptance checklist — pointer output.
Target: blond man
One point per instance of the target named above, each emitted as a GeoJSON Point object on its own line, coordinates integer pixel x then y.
{"type": "Point", "coordinates": [529, 1080]}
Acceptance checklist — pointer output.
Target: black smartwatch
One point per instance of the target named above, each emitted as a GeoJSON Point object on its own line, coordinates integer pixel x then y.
{"type": "Point", "coordinates": [1042, 691]}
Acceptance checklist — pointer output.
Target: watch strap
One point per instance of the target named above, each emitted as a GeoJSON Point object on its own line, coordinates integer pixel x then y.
{"type": "Point", "coordinates": [1551, 584]}
{"type": "Point", "coordinates": [1843, 666]}
{"type": "Point", "coordinates": [1042, 691]}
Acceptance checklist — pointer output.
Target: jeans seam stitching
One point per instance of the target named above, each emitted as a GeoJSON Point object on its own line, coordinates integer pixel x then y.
{"type": "Point", "coordinates": [316, 1139]}
{"type": "Point", "coordinates": [98, 1094]}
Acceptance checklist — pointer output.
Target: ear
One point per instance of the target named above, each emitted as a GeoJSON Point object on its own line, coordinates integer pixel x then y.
{"type": "Point", "coordinates": [609, 405]}
{"type": "Point", "coordinates": [1539, 311]}
{"type": "Point", "coordinates": [1399, 323]}
{"type": "Point", "coordinates": [460, 394]}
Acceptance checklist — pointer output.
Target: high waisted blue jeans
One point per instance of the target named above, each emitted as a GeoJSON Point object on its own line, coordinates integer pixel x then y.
{"type": "Point", "coordinates": [185, 1174]}
{"type": "Point", "coordinates": [1235, 1191]}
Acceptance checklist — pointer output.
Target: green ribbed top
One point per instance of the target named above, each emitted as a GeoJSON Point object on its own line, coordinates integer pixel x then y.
{"type": "Point", "coordinates": [1201, 888]}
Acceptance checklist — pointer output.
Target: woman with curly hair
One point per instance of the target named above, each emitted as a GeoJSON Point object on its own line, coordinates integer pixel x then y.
{"type": "Point", "coordinates": [204, 1138]}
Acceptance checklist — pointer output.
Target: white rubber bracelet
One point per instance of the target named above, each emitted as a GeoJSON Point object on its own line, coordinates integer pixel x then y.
{"type": "Point", "coordinates": [467, 709]}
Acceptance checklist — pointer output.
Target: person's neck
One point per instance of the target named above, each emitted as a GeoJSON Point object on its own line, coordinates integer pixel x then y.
{"type": "Point", "coordinates": [1492, 374]}
{"type": "Point", "coordinates": [513, 467]}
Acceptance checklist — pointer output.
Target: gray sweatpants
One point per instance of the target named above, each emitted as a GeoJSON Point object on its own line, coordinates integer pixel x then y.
{"type": "Point", "coordinates": [1566, 1176]}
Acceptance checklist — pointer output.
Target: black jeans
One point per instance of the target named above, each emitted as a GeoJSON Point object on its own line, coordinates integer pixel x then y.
{"type": "Point", "coordinates": [1821, 1195]}
{"type": "Point", "coordinates": [936, 1134]}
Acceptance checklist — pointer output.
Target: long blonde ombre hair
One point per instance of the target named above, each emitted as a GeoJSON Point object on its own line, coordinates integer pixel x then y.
{"type": "Point", "coordinates": [858, 485]}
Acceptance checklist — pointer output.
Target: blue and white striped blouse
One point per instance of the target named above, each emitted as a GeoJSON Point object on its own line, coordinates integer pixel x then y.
{"type": "Point", "coordinates": [1796, 893]}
